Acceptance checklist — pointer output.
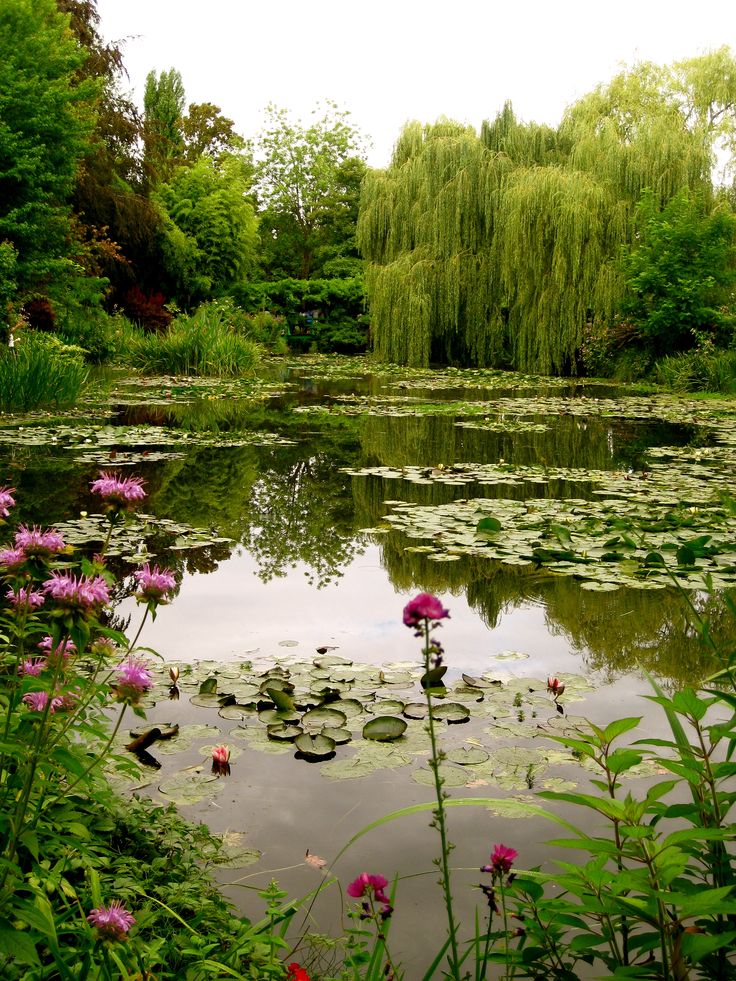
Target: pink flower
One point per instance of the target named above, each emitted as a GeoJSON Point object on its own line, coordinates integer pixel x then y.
{"type": "Point", "coordinates": [118, 492]}
{"type": "Point", "coordinates": [37, 701]}
{"type": "Point", "coordinates": [369, 885]}
{"type": "Point", "coordinates": [38, 544]}
{"type": "Point", "coordinates": [424, 607]}
{"type": "Point", "coordinates": [221, 761]}
{"type": "Point", "coordinates": [112, 921]}
{"type": "Point", "coordinates": [6, 500]}
{"type": "Point", "coordinates": [32, 666]}
{"type": "Point", "coordinates": [502, 858]}
{"type": "Point", "coordinates": [25, 598]}
{"type": "Point", "coordinates": [77, 593]}
{"type": "Point", "coordinates": [154, 583]}
{"type": "Point", "coordinates": [134, 680]}
{"type": "Point", "coordinates": [64, 648]}
{"type": "Point", "coordinates": [555, 686]}
{"type": "Point", "coordinates": [12, 558]}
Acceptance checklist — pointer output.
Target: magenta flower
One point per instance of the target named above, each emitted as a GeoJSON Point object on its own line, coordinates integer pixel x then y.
{"type": "Point", "coordinates": [154, 583]}
{"type": "Point", "coordinates": [38, 544]}
{"type": "Point", "coordinates": [77, 593]}
{"type": "Point", "coordinates": [12, 558]}
{"type": "Point", "coordinates": [25, 598]}
{"type": "Point", "coordinates": [6, 501]}
{"type": "Point", "coordinates": [118, 492]}
{"type": "Point", "coordinates": [424, 607]}
{"type": "Point", "coordinates": [113, 921]}
{"type": "Point", "coordinates": [64, 648]}
{"type": "Point", "coordinates": [502, 858]}
{"type": "Point", "coordinates": [133, 681]}
{"type": "Point", "coordinates": [369, 885]}
{"type": "Point", "coordinates": [221, 761]}
{"type": "Point", "coordinates": [37, 701]}
{"type": "Point", "coordinates": [32, 666]}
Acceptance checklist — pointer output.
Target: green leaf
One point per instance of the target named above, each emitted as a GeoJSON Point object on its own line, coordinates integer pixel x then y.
{"type": "Point", "coordinates": [384, 728]}
{"type": "Point", "coordinates": [315, 746]}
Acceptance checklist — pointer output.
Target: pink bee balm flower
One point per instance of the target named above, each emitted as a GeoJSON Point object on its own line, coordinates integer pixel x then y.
{"type": "Point", "coordinates": [424, 607]}
{"type": "Point", "coordinates": [112, 921]}
{"type": "Point", "coordinates": [154, 583]}
{"type": "Point", "coordinates": [77, 593]}
{"type": "Point", "coordinates": [369, 885]}
{"type": "Point", "coordinates": [64, 648]}
{"type": "Point", "coordinates": [119, 492]}
{"type": "Point", "coordinates": [12, 558]}
{"type": "Point", "coordinates": [37, 701]}
{"type": "Point", "coordinates": [25, 598]}
{"type": "Point", "coordinates": [38, 544]}
{"type": "Point", "coordinates": [6, 501]}
{"type": "Point", "coordinates": [134, 680]}
{"type": "Point", "coordinates": [502, 858]}
{"type": "Point", "coordinates": [32, 666]}
{"type": "Point", "coordinates": [221, 760]}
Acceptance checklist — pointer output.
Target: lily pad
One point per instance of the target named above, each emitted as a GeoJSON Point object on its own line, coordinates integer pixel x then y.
{"type": "Point", "coordinates": [315, 746]}
{"type": "Point", "coordinates": [384, 728]}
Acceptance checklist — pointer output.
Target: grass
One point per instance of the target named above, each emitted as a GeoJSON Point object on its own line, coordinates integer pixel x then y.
{"type": "Point", "coordinates": [40, 371]}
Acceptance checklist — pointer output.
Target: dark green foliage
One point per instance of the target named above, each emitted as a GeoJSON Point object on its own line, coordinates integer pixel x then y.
{"type": "Point", "coordinates": [679, 273]}
{"type": "Point", "coordinates": [46, 117]}
{"type": "Point", "coordinates": [336, 300]}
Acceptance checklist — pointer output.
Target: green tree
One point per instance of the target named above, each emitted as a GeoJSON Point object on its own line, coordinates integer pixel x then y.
{"type": "Point", "coordinates": [163, 140]}
{"type": "Point", "coordinates": [212, 230]}
{"type": "Point", "coordinates": [46, 118]}
{"type": "Point", "coordinates": [307, 180]}
{"type": "Point", "coordinates": [679, 273]}
{"type": "Point", "coordinates": [206, 131]}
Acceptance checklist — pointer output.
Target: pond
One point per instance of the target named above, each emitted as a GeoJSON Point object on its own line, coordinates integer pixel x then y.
{"type": "Point", "coordinates": [301, 515]}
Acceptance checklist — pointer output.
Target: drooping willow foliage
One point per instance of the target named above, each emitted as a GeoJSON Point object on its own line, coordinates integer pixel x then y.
{"type": "Point", "coordinates": [495, 249]}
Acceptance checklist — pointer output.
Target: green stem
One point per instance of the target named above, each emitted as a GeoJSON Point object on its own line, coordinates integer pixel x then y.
{"type": "Point", "coordinates": [440, 823]}
{"type": "Point", "coordinates": [131, 646]}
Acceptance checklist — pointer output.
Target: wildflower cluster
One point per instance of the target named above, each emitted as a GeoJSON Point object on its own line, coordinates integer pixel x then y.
{"type": "Point", "coordinates": [118, 493]}
{"type": "Point", "coordinates": [112, 922]}
{"type": "Point", "coordinates": [370, 888]}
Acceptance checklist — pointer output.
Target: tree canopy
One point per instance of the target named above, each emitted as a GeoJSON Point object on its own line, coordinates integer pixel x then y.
{"type": "Point", "coordinates": [499, 248]}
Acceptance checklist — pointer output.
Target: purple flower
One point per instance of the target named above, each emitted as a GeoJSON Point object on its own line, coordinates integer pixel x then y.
{"type": "Point", "coordinates": [38, 544]}
{"type": "Point", "coordinates": [26, 598]}
{"type": "Point", "coordinates": [32, 666]}
{"type": "Point", "coordinates": [77, 593]}
{"type": "Point", "coordinates": [154, 583]}
{"type": "Point", "coordinates": [424, 607]}
{"type": "Point", "coordinates": [502, 858]}
{"type": "Point", "coordinates": [112, 921]}
{"type": "Point", "coordinates": [12, 558]}
{"type": "Point", "coordinates": [369, 885]}
{"type": "Point", "coordinates": [133, 681]}
{"type": "Point", "coordinates": [118, 492]}
{"type": "Point", "coordinates": [64, 648]}
{"type": "Point", "coordinates": [37, 701]}
{"type": "Point", "coordinates": [6, 500]}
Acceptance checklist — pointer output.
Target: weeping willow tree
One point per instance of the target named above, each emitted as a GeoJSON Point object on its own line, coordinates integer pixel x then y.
{"type": "Point", "coordinates": [495, 249]}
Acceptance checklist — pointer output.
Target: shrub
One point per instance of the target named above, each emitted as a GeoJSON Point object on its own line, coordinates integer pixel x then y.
{"type": "Point", "coordinates": [40, 370]}
{"type": "Point", "coordinates": [149, 311]}
{"type": "Point", "coordinates": [203, 343]}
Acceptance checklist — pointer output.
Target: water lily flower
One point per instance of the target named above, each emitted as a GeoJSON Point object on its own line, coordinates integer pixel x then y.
{"type": "Point", "coordinates": [555, 686]}
{"type": "Point", "coordinates": [502, 858]}
{"type": "Point", "coordinates": [117, 492]}
{"type": "Point", "coordinates": [221, 760]}
{"type": "Point", "coordinates": [113, 921]}
{"type": "Point", "coordinates": [424, 607]}
{"type": "Point", "coordinates": [133, 681]}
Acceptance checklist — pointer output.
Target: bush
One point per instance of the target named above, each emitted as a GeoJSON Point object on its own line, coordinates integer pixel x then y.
{"type": "Point", "coordinates": [706, 370]}
{"type": "Point", "coordinates": [203, 343]}
{"type": "Point", "coordinates": [39, 371]}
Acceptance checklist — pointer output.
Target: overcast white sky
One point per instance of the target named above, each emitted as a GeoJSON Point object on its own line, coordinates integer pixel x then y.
{"type": "Point", "coordinates": [389, 61]}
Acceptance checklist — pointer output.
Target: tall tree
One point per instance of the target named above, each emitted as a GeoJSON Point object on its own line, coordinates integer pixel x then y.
{"type": "Point", "coordinates": [163, 140]}
{"type": "Point", "coordinates": [305, 178]}
{"type": "Point", "coordinates": [498, 249]}
{"type": "Point", "coordinates": [206, 131]}
{"type": "Point", "coordinates": [46, 118]}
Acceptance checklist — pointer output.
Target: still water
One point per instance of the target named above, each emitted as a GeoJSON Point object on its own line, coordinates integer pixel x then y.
{"type": "Point", "coordinates": [294, 570]}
